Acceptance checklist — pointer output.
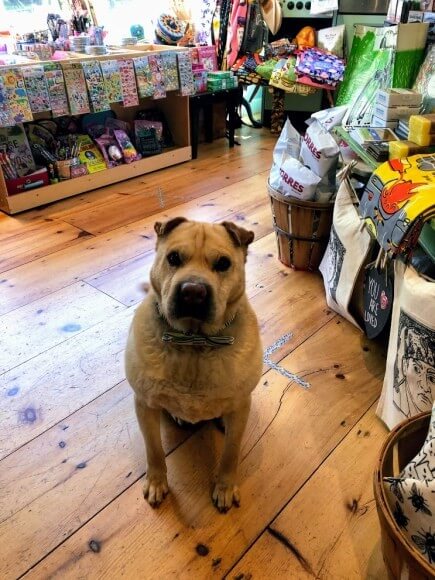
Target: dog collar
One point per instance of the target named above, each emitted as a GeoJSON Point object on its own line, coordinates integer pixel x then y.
{"type": "Point", "coordinates": [191, 339]}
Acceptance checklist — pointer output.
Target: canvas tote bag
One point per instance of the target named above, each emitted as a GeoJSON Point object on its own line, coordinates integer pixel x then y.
{"type": "Point", "coordinates": [346, 256]}
{"type": "Point", "coordinates": [409, 383]}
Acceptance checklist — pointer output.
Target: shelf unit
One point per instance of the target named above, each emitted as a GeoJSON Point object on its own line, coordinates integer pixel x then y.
{"type": "Point", "coordinates": [176, 110]}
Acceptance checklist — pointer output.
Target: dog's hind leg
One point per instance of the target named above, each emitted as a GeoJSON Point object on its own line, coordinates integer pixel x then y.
{"type": "Point", "coordinates": [156, 484]}
{"type": "Point", "coordinates": [226, 493]}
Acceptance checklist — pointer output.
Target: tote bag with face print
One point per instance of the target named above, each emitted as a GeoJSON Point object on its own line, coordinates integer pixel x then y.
{"type": "Point", "coordinates": [409, 383]}
{"type": "Point", "coordinates": [348, 251]}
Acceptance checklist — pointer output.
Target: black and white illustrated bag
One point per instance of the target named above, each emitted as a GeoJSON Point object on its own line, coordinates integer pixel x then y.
{"type": "Point", "coordinates": [411, 497]}
{"type": "Point", "coordinates": [346, 255]}
{"type": "Point", "coordinates": [409, 383]}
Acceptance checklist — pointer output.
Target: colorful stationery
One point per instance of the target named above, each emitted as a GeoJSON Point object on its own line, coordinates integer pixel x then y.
{"type": "Point", "coordinates": [112, 80]}
{"type": "Point", "coordinates": [90, 155]}
{"type": "Point", "coordinates": [170, 71]}
{"type": "Point", "coordinates": [187, 85]}
{"type": "Point", "coordinates": [144, 78]}
{"type": "Point", "coordinates": [207, 57]}
{"type": "Point", "coordinates": [36, 86]}
{"type": "Point", "coordinates": [128, 83]}
{"type": "Point", "coordinates": [14, 142]}
{"type": "Point", "coordinates": [96, 86]}
{"type": "Point", "coordinates": [76, 88]}
{"type": "Point", "coordinates": [6, 119]}
{"type": "Point", "coordinates": [56, 90]}
{"type": "Point", "coordinates": [156, 66]}
{"type": "Point", "coordinates": [16, 95]}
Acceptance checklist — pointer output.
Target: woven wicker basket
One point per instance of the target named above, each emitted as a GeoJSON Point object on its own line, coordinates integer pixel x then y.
{"type": "Point", "coordinates": [400, 556]}
{"type": "Point", "coordinates": [302, 230]}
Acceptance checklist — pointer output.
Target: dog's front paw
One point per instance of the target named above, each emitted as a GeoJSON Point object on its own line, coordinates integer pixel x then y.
{"type": "Point", "coordinates": [225, 495]}
{"type": "Point", "coordinates": [155, 489]}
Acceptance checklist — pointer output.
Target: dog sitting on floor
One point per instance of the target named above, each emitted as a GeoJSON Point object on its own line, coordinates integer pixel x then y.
{"type": "Point", "coordinates": [194, 348]}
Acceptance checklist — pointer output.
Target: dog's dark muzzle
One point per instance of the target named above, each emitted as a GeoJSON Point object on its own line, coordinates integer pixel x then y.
{"type": "Point", "coordinates": [193, 299]}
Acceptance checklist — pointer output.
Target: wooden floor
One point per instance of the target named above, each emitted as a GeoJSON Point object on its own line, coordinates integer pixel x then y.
{"type": "Point", "coordinates": [71, 457]}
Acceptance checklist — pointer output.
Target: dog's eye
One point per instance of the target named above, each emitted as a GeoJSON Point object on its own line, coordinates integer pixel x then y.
{"type": "Point", "coordinates": [174, 259]}
{"type": "Point", "coordinates": [223, 264]}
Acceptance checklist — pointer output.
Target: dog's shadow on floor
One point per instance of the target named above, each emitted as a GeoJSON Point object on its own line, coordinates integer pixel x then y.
{"type": "Point", "coordinates": [192, 474]}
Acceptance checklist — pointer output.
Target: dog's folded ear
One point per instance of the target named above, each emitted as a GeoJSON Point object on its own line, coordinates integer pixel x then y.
{"type": "Point", "coordinates": [164, 228]}
{"type": "Point", "coordinates": [240, 236]}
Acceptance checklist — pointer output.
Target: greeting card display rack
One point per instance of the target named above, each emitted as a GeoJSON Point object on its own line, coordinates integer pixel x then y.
{"type": "Point", "coordinates": [176, 110]}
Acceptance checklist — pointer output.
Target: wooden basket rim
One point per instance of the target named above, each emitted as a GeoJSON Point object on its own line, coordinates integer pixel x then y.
{"type": "Point", "coordinates": [297, 202]}
{"type": "Point", "coordinates": [380, 495]}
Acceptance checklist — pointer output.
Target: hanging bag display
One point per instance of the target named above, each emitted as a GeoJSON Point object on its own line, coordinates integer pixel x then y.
{"type": "Point", "coordinates": [347, 254]}
{"type": "Point", "coordinates": [409, 383]}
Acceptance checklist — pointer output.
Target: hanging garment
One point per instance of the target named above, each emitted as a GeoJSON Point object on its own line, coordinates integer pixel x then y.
{"type": "Point", "coordinates": [236, 31]}
{"type": "Point", "coordinates": [224, 9]}
{"type": "Point", "coordinates": [272, 14]}
{"type": "Point", "coordinates": [255, 30]}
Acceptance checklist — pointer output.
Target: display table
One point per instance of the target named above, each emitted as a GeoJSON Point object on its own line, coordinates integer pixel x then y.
{"type": "Point", "coordinates": [175, 109]}
{"type": "Point", "coordinates": [205, 101]}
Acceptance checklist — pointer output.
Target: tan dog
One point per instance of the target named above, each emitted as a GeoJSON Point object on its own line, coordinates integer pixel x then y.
{"type": "Point", "coordinates": [194, 348]}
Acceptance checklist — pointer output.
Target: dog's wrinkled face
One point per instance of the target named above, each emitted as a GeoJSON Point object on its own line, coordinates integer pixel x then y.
{"type": "Point", "coordinates": [199, 272]}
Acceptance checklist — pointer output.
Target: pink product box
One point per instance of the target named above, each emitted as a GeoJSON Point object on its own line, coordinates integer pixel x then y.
{"type": "Point", "coordinates": [200, 81]}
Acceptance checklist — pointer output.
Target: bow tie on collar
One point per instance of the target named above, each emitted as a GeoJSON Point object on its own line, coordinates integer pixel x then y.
{"type": "Point", "coordinates": [191, 339]}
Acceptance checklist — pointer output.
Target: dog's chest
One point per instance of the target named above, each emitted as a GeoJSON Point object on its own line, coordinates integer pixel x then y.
{"type": "Point", "coordinates": [194, 386]}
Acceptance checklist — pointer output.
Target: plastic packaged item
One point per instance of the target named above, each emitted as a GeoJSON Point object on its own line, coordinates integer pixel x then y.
{"type": "Point", "coordinates": [320, 69]}
{"type": "Point", "coordinates": [147, 141]}
{"type": "Point", "coordinates": [291, 178]}
{"type": "Point", "coordinates": [332, 39]}
{"type": "Point", "coordinates": [265, 69]}
{"type": "Point", "coordinates": [90, 155]}
{"type": "Point", "coordinates": [329, 118]}
{"type": "Point", "coordinates": [288, 144]}
{"type": "Point", "coordinates": [112, 124]}
{"type": "Point", "coordinates": [157, 115]}
{"type": "Point", "coordinates": [306, 37]}
{"type": "Point", "coordinates": [110, 150]}
{"type": "Point", "coordinates": [144, 124]}
{"type": "Point", "coordinates": [319, 150]}
{"type": "Point", "coordinates": [128, 150]}
{"type": "Point", "coordinates": [425, 81]}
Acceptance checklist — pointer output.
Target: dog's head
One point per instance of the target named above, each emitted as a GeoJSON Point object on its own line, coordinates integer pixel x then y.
{"type": "Point", "coordinates": [199, 272]}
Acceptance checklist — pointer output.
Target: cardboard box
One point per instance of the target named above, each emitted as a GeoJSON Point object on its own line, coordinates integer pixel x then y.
{"type": "Point", "coordinates": [394, 113]}
{"type": "Point", "coordinates": [398, 98]}
{"type": "Point", "coordinates": [377, 122]}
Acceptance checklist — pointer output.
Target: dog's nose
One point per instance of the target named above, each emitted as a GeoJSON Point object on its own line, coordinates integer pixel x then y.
{"type": "Point", "coordinates": [193, 292]}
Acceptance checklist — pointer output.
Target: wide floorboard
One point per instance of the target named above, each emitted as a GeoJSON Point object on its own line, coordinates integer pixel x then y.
{"type": "Point", "coordinates": [72, 460]}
